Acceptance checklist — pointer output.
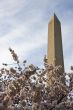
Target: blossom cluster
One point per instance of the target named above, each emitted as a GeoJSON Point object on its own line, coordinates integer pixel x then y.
{"type": "Point", "coordinates": [28, 88]}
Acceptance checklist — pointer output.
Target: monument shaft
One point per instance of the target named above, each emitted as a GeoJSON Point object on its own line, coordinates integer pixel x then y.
{"type": "Point", "coordinates": [55, 50]}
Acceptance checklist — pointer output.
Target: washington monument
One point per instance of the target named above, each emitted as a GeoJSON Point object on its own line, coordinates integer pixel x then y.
{"type": "Point", "coordinates": [55, 50]}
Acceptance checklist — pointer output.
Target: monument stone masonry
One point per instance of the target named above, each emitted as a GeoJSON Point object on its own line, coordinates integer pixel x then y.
{"type": "Point", "coordinates": [55, 50]}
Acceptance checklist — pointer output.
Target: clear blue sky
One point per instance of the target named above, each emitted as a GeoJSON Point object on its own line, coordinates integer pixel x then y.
{"type": "Point", "coordinates": [24, 27]}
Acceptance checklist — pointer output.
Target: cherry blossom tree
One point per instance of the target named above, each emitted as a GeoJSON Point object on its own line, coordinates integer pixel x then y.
{"type": "Point", "coordinates": [26, 88]}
